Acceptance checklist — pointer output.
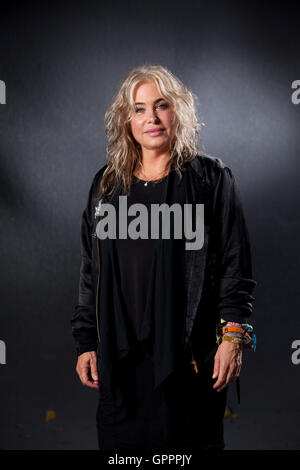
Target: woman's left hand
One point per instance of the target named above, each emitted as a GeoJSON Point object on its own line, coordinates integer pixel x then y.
{"type": "Point", "coordinates": [227, 364]}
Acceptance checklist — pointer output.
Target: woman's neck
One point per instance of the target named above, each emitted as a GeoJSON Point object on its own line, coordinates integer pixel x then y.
{"type": "Point", "coordinates": [153, 166]}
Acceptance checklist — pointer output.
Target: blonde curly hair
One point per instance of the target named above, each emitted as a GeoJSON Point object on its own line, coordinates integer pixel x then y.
{"type": "Point", "coordinates": [123, 153]}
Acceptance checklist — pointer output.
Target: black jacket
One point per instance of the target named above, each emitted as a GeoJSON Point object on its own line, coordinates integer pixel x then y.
{"type": "Point", "coordinates": [218, 277]}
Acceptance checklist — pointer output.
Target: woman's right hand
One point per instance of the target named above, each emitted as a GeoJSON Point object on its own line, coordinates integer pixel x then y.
{"type": "Point", "coordinates": [86, 368]}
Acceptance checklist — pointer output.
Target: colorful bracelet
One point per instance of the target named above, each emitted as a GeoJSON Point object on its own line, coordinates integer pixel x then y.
{"type": "Point", "coordinates": [242, 331]}
{"type": "Point", "coordinates": [234, 329]}
{"type": "Point", "coordinates": [232, 339]}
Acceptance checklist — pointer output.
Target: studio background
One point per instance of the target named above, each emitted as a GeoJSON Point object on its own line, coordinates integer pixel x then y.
{"type": "Point", "coordinates": [62, 64]}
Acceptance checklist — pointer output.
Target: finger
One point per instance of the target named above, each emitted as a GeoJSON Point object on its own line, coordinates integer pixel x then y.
{"type": "Point", "coordinates": [94, 370]}
{"type": "Point", "coordinates": [84, 377]}
{"type": "Point", "coordinates": [223, 385]}
{"type": "Point", "coordinates": [92, 384]}
{"type": "Point", "coordinates": [239, 368]}
{"type": "Point", "coordinates": [231, 375]}
{"type": "Point", "coordinates": [221, 378]}
{"type": "Point", "coordinates": [216, 367]}
{"type": "Point", "coordinates": [83, 373]}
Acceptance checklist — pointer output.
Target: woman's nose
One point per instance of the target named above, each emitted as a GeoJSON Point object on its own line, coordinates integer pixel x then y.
{"type": "Point", "coordinates": [152, 116]}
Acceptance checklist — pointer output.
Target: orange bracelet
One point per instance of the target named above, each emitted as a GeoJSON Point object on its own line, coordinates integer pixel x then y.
{"type": "Point", "coordinates": [235, 329]}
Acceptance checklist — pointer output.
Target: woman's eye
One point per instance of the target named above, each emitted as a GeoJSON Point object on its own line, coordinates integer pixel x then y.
{"type": "Point", "coordinates": [163, 106]}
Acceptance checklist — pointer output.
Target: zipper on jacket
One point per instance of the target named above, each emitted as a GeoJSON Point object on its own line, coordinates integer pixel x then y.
{"type": "Point", "coordinates": [193, 361]}
{"type": "Point", "coordinates": [97, 294]}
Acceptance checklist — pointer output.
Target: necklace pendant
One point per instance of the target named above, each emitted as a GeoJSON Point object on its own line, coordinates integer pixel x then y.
{"type": "Point", "coordinates": [146, 183]}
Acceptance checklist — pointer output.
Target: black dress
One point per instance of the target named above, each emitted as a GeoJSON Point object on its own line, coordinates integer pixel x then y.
{"type": "Point", "coordinates": [186, 413]}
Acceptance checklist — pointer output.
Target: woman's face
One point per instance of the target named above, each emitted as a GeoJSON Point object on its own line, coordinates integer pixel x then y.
{"type": "Point", "coordinates": [152, 112]}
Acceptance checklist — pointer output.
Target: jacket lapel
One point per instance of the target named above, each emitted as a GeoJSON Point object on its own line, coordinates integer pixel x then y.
{"type": "Point", "coordinates": [197, 192]}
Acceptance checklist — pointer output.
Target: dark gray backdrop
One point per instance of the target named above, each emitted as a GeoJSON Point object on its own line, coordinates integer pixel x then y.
{"type": "Point", "coordinates": [62, 63]}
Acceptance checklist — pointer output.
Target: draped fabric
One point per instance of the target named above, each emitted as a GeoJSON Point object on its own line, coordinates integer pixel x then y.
{"type": "Point", "coordinates": [161, 331]}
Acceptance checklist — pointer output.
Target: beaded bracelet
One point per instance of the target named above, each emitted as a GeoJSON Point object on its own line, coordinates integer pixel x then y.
{"type": "Point", "coordinates": [242, 331]}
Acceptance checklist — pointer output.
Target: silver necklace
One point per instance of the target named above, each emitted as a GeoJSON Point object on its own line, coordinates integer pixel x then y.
{"type": "Point", "coordinates": [146, 182]}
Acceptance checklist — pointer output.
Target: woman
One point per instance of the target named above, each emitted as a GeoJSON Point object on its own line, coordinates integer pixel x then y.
{"type": "Point", "coordinates": [149, 306]}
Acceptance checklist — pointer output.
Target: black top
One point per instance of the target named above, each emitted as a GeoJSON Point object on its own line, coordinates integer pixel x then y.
{"type": "Point", "coordinates": [141, 292]}
{"type": "Point", "coordinates": [135, 257]}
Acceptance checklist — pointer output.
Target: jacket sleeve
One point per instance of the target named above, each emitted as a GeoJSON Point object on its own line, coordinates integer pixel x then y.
{"type": "Point", "coordinates": [83, 322]}
{"type": "Point", "coordinates": [235, 282]}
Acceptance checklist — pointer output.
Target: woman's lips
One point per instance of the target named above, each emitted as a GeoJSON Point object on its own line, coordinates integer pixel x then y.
{"type": "Point", "coordinates": [155, 133]}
